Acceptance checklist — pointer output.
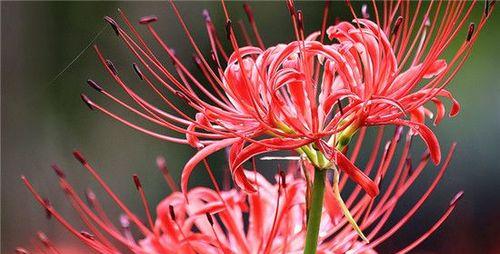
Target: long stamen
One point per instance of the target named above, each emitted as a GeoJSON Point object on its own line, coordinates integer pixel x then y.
{"type": "Point", "coordinates": [144, 200]}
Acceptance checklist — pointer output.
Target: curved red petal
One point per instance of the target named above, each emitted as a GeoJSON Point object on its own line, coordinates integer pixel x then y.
{"type": "Point", "coordinates": [199, 156]}
{"type": "Point", "coordinates": [356, 174]}
{"type": "Point", "coordinates": [427, 135]}
{"type": "Point", "coordinates": [440, 109]}
{"type": "Point", "coordinates": [238, 156]}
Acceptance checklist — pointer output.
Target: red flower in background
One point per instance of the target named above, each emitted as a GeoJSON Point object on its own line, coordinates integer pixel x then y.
{"type": "Point", "coordinates": [270, 220]}
{"type": "Point", "coordinates": [289, 97]}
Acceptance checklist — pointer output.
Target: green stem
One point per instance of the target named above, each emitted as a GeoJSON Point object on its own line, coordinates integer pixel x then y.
{"type": "Point", "coordinates": [314, 219]}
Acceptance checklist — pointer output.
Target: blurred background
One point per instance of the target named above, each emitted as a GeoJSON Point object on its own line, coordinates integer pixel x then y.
{"type": "Point", "coordinates": [43, 119]}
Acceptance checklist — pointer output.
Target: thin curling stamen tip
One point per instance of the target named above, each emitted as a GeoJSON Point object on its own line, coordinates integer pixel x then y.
{"type": "Point", "coordinates": [470, 32]}
{"type": "Point", "coordinates": [456, 198]}
{"type": "Point", "coordinates": [138, 71]}
{"type": "Point", "coordinates": [172, 212]}
{"type": "Point", "coordinates": [87, 101]}
{"type": "Point", "coordinates": [397, 24]}
{"type": "Point", "coordinates": [94, 85]}
{"type": "Point", "coordinates": [148, 19]}
{"type": "Point", "coordinates": [113, 24]}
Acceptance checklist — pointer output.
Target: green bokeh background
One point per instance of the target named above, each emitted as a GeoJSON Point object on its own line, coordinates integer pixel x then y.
{"type": "Point", "coordinates": [43, 121]}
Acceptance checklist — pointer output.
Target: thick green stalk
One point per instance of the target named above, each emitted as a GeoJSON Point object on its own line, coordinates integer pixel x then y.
{"type": "Point", "coordinates": [314, 219]}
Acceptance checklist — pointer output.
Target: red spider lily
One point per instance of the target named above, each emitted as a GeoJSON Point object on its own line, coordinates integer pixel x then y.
{"type": "Point", "coordinates": [270, 220]}
{"type": "Point", "coordinates": [261, 99]}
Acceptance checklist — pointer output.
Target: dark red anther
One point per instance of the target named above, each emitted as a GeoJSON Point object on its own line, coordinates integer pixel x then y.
{"type": "Point", "coordinates": [210, 219]}
{"type": "Point", "coordinates": [283, 178]}
{"type": "Point", "coordinates": [171, 211]}
{"type": "Point", "coordinates": [58, 171]}
{"type": "Point", "coordinates": [47, 205]}
{"type": "Point", "coordinates": [470, 32]}
{"type": "Point", "coordinates": [113, 24]}
{"type": "Point", "coordinates": [397, 24]}
{"type": "Point", "coordinates": [456, 198]}
{"type": "Point", "coordinates": [409, 165]}
{"type": "Point", "coordinates": [87, 235]}
{"type": "Point", "coordinates": [78, 156]}
{"type": "Point", "coordinates": [341, 109]}
{"type": "Point", "coordinates": [111, 66]}
{"type": "Point", "coordinates": [229, 29]}
{"type": "Point", "coordinates": [94, 85]}
{"type": "Point", "coordinates": [138, 71]}
{"type": "Point", "coordinates": [137, 182]}
{"type": "Point", "coordinates": [486, 8]}
{"type": "Point", "coordinates": [87, 101]}
{"type": "Point", "coordinates": [249, 12]}
{"type": "Point", "coordinates": [148, 19]}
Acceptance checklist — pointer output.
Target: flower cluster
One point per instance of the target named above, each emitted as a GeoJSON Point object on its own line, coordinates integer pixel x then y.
{"type": "Point", "coordinates": [309, 95]}
{"type": "Point", "coordinates": [313, 96]}
{"type": "Point", "coordinates": [270, 220]}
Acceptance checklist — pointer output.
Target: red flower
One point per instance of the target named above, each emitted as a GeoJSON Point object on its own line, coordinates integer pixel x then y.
{"type": "Point", "coordinates": [289, 96]}
{"type": "Point", "coordinates": [393, 73]}
{"type": "Point", "coordinates": [270, 220]}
